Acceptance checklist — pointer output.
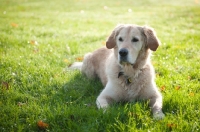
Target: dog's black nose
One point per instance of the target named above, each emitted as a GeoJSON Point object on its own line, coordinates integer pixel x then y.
{"type": "Point", "coordinates": [123, 52]}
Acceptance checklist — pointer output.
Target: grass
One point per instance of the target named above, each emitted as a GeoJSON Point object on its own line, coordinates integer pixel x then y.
{"type": "Point", "coordinates": [39, 39]}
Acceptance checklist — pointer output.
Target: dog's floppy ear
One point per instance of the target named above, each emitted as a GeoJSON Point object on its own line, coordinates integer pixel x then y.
{"type": "Point", "coordinates": [110, 43]}
{"type": "Point", "coordinates": [152, 40]}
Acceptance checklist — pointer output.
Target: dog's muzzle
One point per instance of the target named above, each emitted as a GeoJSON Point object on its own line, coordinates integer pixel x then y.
{"type": "Point", "coordinates": [123, 55]}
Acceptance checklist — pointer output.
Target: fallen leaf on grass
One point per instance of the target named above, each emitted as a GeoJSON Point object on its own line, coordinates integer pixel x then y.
{"type": "Point", "coordinates": [33, 42]}
{"type": "Point", "coordinates": [14, 25]}
{"type": "Point", "coordinates": [79, 58]}
{"type": "Point", "coordinates": [103, 43]}
{"type": "Point", "coordinates": [171, 125]}
{"type": "Point", "coordinates": [66, 60]}
{"type": "Point", "coordinates": [177, 87]}
{"type": "Point", "coordinates": [162, 88]}
{"type": "Point", "coordinates": [42, 125]}
{"type": "Point", "coordinates": [5, 85]}
{"type": "Point", "coordinates": [191, 94]}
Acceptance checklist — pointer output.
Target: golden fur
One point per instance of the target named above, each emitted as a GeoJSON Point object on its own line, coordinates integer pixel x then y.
{"type": "Point", "coordinates": [124, 67]}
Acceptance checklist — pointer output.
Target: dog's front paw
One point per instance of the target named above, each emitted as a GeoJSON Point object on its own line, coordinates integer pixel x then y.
{"type": "Point", "coordinates": [158, 115]}
{"type": "Point", "coordinates": [101, 104]}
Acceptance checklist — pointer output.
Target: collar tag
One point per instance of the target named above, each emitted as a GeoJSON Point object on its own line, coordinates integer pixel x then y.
{"type": "Point", "coordinates": [128, 81]}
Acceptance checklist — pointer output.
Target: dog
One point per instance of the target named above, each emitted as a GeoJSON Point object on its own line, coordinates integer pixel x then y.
{"type": "Point", "coordinates": [124, 67]}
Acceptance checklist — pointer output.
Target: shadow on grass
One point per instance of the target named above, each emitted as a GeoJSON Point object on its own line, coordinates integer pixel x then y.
{"type": "Point", "coordinates": [73, 108]}
{"type": "Point", "coordinates": [73, 105]}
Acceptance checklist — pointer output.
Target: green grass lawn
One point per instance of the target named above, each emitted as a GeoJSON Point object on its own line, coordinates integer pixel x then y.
{"type": "Point", "coordinates": [40, 38]}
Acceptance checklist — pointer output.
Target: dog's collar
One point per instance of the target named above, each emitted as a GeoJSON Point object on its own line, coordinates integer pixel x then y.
{"type": "Point", "coordinates": [120, 74]}
{"type": "Point", "coordinates": [128, 80]}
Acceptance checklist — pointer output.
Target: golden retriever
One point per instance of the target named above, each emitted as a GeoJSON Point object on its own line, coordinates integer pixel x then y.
{"type": "Point", "coordinates": [124, 67]}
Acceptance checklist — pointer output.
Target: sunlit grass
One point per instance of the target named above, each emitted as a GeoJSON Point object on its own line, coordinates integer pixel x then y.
{"type": "Point", "coordinates": [39, 39]}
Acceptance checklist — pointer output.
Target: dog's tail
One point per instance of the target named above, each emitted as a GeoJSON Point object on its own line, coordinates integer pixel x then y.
{"type": "Point", "coordinates": [76, 65]}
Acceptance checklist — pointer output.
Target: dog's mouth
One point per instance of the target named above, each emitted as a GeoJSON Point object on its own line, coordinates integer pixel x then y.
{"type": "Point", "coordinates": [124, 61]}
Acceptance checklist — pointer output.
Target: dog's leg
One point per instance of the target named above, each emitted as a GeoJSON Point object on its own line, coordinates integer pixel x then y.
{"type": "Point", "coordinates": [156, 106]}
{"type": "Point", "coordinates": [106, 97]}
{"type": "Point", "coordinates": [103, 102]}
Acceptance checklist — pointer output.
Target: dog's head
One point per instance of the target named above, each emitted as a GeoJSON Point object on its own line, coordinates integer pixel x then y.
{"type": "Point", "coordinates": [129, 40]}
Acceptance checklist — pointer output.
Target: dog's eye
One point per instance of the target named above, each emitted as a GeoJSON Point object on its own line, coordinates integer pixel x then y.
{"type": "Point", "coordinates": [120, 39]}
{"type": "Point", "coordinates": [134, 40]}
